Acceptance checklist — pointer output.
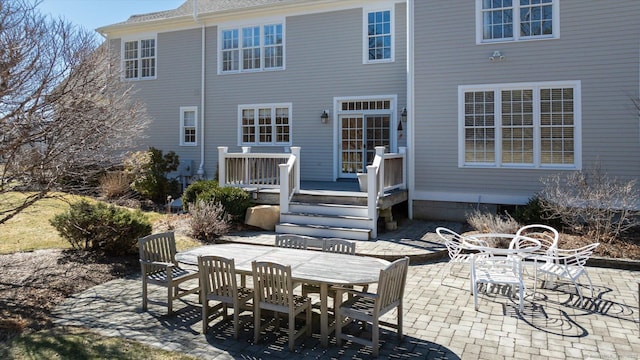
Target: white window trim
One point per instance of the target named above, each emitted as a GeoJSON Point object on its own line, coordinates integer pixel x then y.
{"type": "Point", "coordinates": [516, 25]}
{"type": "Point", "coordinates": [497, 88]}
{"type": "Point", "coordinates": [184, 109]}
{"type": "Point", "coordinates": [365, 34]}
{"type": "Point", "coordinates": [261, 24]}
{"type": "Point", "coordinates": [138, 38]}
{"type": "Point", "coordinates": [272, 106]}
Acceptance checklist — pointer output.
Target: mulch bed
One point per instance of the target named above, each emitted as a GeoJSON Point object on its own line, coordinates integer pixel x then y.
{"type": "Point", "coordinates": [32, 284]}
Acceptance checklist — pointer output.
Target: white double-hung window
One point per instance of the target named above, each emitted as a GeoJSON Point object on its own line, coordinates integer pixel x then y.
{"type": "Point", "coordinates": [378, 36]}
{"type": "Point", "coordinates": [265, 124]}
{"type": "Point", "coordinates": [188, 126]}
{"type": "Point", "coordinates": [139, 58]}
{"type": "Point", "coordinates": [251, 48]}
{"type": "Point", "coordinates": [515, 20]}
{"type": "Point", "coordinates": [533, 125]}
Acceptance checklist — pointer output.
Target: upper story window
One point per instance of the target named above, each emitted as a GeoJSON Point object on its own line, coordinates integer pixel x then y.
{"type": "Point", "coordinates": [513, 20]}
{"type": "Point", "coordinates": [139, 59]}
{"type": "Point", "coordinates": [520, 125]}
{"type": "Point", "coordinates": [252, 48]}
{"type": "Point", "coordinates": [188, 126]}
{"type": "Point", "coordinates": [265, 124]}
{"type": "Point", "coordinates": [378, 39]}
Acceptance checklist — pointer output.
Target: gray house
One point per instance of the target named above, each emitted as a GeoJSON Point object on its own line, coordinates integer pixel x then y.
{"type": "Point", "coordinates": [503, 93]}
{"type": "Point", "coordinates": [487, 97]}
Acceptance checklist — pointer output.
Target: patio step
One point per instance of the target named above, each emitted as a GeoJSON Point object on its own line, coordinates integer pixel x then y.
{"type": "Point", "coordinates": [323, 231]}
{"type": "Point", "coordinates": [326, 220]}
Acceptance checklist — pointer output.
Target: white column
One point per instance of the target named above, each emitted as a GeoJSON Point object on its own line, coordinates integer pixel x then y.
{"type": "Point", "coordinates": [222, 171]}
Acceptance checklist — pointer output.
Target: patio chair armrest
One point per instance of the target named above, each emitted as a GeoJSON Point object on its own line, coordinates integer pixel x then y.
{"type": "Point", "coordinates": [158, 264]}
{"type": "Point", "coordinates": [341, 289]}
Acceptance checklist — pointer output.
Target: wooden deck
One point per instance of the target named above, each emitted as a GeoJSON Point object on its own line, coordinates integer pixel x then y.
{"type": "Point", "coordinates": [345, 192]}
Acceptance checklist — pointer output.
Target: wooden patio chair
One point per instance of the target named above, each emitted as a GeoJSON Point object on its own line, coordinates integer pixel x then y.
{"type": "Point", "coordinates": [340, 246]}
{"type": "Point", "coordinates": [159, 267]}
{"type": "Point", "coordinates": [292, 241]}
{"type": "Point", "coordinates": [273, 290]}
{"type": "Point", "coordinates": [332, 245]}
{"type": "Point", "coordinates": [369, 307]}
{"type": "Point", "coordinates": [218, 282]}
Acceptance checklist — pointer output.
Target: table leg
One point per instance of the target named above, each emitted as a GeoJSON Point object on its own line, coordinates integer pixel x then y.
{"type": "Point", "coordinates": [324, 315]}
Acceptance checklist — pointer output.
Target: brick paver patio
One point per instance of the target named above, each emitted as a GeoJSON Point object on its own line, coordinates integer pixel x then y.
{"type": "Point", "coordinates": [440, 321]}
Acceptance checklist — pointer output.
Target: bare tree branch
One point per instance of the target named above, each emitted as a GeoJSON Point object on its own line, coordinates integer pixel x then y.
{"type": "Point", "coordinates": [65, 113]}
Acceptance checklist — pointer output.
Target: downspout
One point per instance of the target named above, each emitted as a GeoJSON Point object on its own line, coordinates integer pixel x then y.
{"type": "Point", "coordinates": [410, 108]}
{"type": "Point", "coordinates": [200, 172]}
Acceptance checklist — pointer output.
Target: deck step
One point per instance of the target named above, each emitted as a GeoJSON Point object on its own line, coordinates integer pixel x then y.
{"type": "Point", "coordinates": [323, 231]}
{"type": "Point", "coordinates": [342, 221]}
{"type": "Point", "coordinates": [328, 209]}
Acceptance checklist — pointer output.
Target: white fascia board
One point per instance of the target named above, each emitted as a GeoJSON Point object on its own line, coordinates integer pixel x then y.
{"type": "Point", "coordinates": [482, 198]}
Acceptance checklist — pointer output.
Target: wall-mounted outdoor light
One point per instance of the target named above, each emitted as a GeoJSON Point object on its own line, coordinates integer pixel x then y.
{"type": "Point", "coordinates": [324, 117]}
{"type": "Point", "coordinates": [496, 56]}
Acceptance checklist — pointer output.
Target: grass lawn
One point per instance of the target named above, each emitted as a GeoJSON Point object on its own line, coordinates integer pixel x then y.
{"type": "Point", "coordinates": [30, 230]}
{"type": "Point", "coordinates": [73, 343]}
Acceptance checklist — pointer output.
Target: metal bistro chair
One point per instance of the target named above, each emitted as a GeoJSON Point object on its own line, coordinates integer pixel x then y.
{"type": "Point", "coordinates": [569, 264]}
{"type": "Point", "coordinates": [273, 290]}
{"type": "Point", "coordinates": [370, 307]}
{"type": "Point", "coordinates": [218, 282]}
{"type": "Point", "coordinates": [455, 248]}
{"type": "Point", "coordinates": [497, 269]}
{"type": "Point", "coordinates": [159, 267]}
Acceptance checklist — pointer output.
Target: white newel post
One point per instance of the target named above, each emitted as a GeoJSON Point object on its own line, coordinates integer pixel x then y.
{"type": "Point", "coordinates": [380, 153]}
{"type": "Point", "coordinates": [372, 200]}
{"type": "Point", "coordinates": [222, 171]}
{"type": "Point", "coordinates": [284, 188]}
{"type": "Point", "coordinates": [295, 150]}
{"type": "Point", "coordinates": [245, 164]}
{"type": "Point", "coordinates": [403, 150]}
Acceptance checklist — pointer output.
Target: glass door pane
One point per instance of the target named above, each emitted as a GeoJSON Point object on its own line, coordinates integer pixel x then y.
{"type": "Point", "coordinates": [352, 145]}
{"type": "Point", "coordinates": [378, 129]}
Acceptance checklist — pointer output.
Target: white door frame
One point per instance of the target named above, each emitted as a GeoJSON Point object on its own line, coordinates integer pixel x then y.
{"type": "Point", "coordinates": [337, 112]}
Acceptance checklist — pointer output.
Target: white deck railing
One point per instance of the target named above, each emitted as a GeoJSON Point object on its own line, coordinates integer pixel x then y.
{"type": "Point", "coordinates": [386, 173]}
{"type": "Point", "coordinates": [251, 170]}
{"type": "Point", "coordinates": [282, 171]}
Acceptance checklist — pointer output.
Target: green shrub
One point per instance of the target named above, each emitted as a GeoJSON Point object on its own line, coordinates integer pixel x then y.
{"type": "Point", "coordinates": [235, 201]}
{"type": "Point", "coordinates": [101, 227]}
{"type": "Point", "coordinates": [192, 191]}
{"type": "Point", "coordinates": [149, 171]}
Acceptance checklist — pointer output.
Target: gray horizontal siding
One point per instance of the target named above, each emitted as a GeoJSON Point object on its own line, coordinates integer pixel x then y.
{"type": "Point", "coordinates": [323, 61]}
{"type": "Point", "coordinates": [598, 45]}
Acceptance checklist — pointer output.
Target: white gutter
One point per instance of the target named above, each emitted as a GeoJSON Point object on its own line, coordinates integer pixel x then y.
{"type": "Point", "coordinates": [202, 88]}
{"type": "Point", "coordinates": [410, 108]}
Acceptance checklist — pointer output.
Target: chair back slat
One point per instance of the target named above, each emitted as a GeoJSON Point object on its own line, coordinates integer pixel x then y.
{"type": "Point", "coordinates": [340, 246]}
{"type": "Point", "coordinates": [392, 282]}
{"type": "Point", "coordinates": [272, 283]}
{"type": "Point", "coordinates": [218, 275]}
{"type": "Point", "coordinates": [292, 241]}
{"type": "Point", "coordinates": [158, 247]}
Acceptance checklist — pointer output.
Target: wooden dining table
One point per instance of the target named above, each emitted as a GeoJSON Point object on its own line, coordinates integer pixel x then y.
{"type": "Point", "coordinates": [322, 269]}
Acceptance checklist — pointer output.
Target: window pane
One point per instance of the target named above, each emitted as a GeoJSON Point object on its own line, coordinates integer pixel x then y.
{"type": "Point", "coordinates": [479, 127]}
{"type": "Point", "coordinates": [557, 126]}
{"type": "Point", "coordinates": [379, 35]}
{"type": "Point", "coordinates": [264, 125]}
